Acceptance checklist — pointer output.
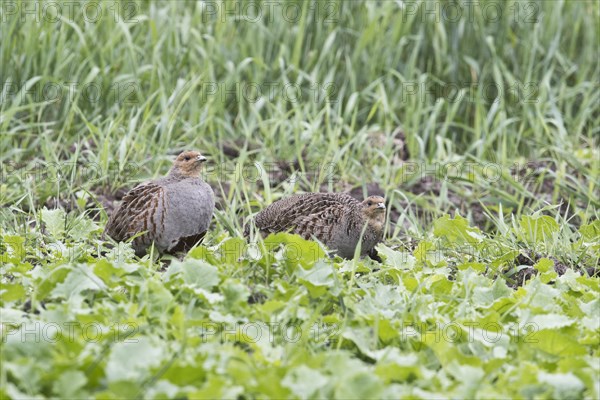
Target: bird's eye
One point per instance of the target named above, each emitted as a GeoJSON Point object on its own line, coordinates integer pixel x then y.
{"type": "Point", "coordinates": [186, 158]}
{"type": "Point", "coordinates": [369, 203]}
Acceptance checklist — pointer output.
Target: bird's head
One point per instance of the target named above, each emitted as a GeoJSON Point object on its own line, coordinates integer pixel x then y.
{"type": "Point", "coordinates": [188, 164]}
{"type": "Point", "coordinates": [374, 208]}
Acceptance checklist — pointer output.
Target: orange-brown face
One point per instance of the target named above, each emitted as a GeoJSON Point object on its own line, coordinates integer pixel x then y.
{"type": "Point", "coordinates": [374, 207]}
{"type": "Point", "coordinates": [189, 163]}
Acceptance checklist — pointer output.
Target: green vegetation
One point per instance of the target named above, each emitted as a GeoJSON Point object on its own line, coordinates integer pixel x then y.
{"type": "Point", "coordinates": [481, 129]}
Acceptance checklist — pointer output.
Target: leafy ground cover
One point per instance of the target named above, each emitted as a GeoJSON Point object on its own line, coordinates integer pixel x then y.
{"type": "Point", "coordinates": [479, 126]}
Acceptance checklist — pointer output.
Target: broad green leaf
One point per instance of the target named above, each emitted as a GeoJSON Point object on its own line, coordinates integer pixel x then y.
{"type": "Point", "coordinates": [439, 284]}
{"type": "Point", "coordinates": [163, 389]}
{"type": "Point", "coordinates": [456, 230]}
{"type": "Point", "coordinates": [156, 298]}
{"type": "Point", "coordinates": [304, 381]}
{"type": "Point", "coordinates": [591, 232]}
{"type": "Point", "coordinates": [79, 279]}
{"type": "Point", "coordinates": [82, 228]}
{"type": "Point", "coordinates": [565, 386]}
{"type": "Point", "coordinates": [538, 229]}
{"type": "Point", "coordinates": [592, 308]}
{"type": "Point", "coordinates": [203, 253]}
{"type": "Point", "coordinates": [484, 296]}
{"type": "Point", "coordinates": [195, 272]}
{"type": "Point", "coordinates": [386, 331]}
{"type": "Point", "coordinates": [508, 257]}
{"type": "Point", "coordinates": [393, 366]}
{"type": "Point", "coordinates": [468, 377]}
{"type": "Point", "coordinates": [362, 385]}
{"type": "Point", "coordinates": [554, 342]}
{"type": "Point", "coordinates": [55, 221]}
{"type": "Point", "coordinates": [186, 371]}
{"type": "Point", "coordinates": [363, 337]}
{"type": "Point", "coordinates": [551, 321]}
{"type": "Point", "coordinates": [236, 294]}
{"type": "Point", "coordinates": [48, 279]}
{"type": "Point", "coordinates": [540, 296]}
{"type": "Point", "coordinates": [12, 248]}
{"type": "Point", "coordinates": [217, 387]}
{"type": "Point", "coordinates": [293, 249]}
{"type": "Point", "coordinates": [430, 254]}
{"type": "Point", "coordinates": [319, 279]}
{"type": "Point", "coordinates": [68, 383]}
{"type": "Point", "coordinates": [396, 258]}
{"type": "Point", "coordinates": [544, 265]}
{"type": "Point", "coordinates": [422, 250]}
{"type": "Point", "coordinates": [133, 360]}
{"type": "Point", "coordinates": [476, 266]}
{"type": "Point", "coordinates": [444, 340]}
{"type": "Point", "coordinates": [11, 292]}
{"type": "Point", "coordinates": [106, 271]}
{"type": "Point", "coordinates": [232, 250]}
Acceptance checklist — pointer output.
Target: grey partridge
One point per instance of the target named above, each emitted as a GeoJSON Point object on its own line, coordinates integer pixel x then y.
{"type": "Point", "coordinates": [335, 219]}
{"type": "Point", "coordinates": [173, 212]}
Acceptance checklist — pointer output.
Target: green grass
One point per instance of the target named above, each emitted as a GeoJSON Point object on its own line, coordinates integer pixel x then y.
{"type": "Point", "coordinates": [500, 124]}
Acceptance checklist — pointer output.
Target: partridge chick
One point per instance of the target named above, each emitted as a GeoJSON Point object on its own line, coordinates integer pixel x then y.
{"type": "Point", "coordinates": [174, 211]}
{"type": "Point", "coordinates": [335, 219]}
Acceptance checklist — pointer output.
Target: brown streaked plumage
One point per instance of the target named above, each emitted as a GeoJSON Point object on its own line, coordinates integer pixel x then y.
{"type": "Point", "coordinates": [174, 212]}
{"type": "Point", "coordinates": [335, 219]}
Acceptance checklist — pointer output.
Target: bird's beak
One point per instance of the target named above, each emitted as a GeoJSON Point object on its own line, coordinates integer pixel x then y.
{"type": "Point", "coordinates": [381, 205]}
{"type": "Point", "coordinates": [201, 159]}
